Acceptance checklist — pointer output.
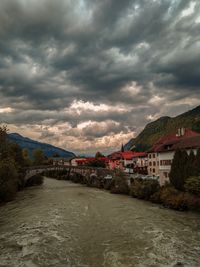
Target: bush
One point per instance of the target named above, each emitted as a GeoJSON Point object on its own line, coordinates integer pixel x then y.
{"type": "Point", "coordinates": [76, 178]}
{"type": "Point", "coordinates": [8, 180]}
{"type": "Point", "coordinates": [171, 198]}
{"type": "Point", "coordinates": [119, 184]}
{"type": "Point", "coordinates": [144, 189]}
{"type": "Point", "coordinates": [94, 181]}
{"type": "Point", "coordinates": [35, 180]}
{"type": "Point", "coordinates": [192, 185]}
{"type": "Point", "coordinates": [107, 184]}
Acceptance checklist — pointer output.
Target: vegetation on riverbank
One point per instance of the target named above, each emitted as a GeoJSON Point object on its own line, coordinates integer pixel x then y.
{"type": "Point", "coordinates": [182, 193]}
{"type": "Point", "coordinates": [12, 168]}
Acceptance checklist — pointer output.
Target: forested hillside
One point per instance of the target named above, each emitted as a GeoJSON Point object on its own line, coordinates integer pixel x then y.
{"type": "Point", "coordinates": [164, 125]}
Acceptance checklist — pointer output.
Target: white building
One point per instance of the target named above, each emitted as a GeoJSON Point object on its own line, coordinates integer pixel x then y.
{"type": "Point", "coordinates": [162, 154]}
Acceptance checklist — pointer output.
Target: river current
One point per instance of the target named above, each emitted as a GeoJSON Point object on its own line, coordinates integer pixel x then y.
{"type": "Point", "coordinates": [62, 224]}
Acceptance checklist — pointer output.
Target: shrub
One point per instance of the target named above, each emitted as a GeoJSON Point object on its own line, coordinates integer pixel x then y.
{"type": "Point", "coordinates": [76, 177]}
{"type": "Point", "coordinates": [94, 181]}
{"type": "Point", "coordinates": [174, 199]}
{"type": "Point", "coordinates": [8, 180]}
{"type": "Point", "coordinates": [119, 184]}
{"type": "Point", "coordinates": [144, 189]}
{"type": "Point", "coordinates": [35, 180]}
{"type": "Point", "coordinates": [107, 184]}
{"type": "Point", "coordinates": [192, 185]}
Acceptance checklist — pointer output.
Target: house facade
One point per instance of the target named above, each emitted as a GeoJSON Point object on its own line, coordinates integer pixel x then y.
{"type": "Point", "coordinates": [153, 163]}
{"type": "Point", "coordinates": [129, 161]}
{"type": "Point", "coordinates": [161, 156]}
{"type": "Point", "coordinates": [59, 161]}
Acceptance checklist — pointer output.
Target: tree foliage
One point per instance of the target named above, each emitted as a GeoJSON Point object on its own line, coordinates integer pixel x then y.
{"type": "Point", "coordinates": [179, 169]}
{"type": "Point", "coordinates": [97, 163]}
{"type": "Point", "coordinates": [38, 157]}
{"type": "Point", "coordinates": [197, 164]}
{"type": "Point", "coordinates": [99, 155]}
{"type": "Point", "coordinates": [12, 163]}
{"type": "Point", "coordinates": [192, 185]}
{"type": "Point", "coordinates": [8, 180]}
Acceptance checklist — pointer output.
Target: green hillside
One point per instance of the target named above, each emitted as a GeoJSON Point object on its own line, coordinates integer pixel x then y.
{"type": "Point", "coordinates": [164, 125]}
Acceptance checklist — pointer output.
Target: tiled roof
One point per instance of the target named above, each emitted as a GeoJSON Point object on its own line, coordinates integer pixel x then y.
{"type": "Point", "coordinates": [170, 141]}
{"type": "Point", "coordinates": [128, 155]}
{"type": "Point", "coordinates": [183, 143]}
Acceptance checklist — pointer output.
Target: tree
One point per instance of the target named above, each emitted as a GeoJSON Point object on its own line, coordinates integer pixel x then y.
{"type": "Point", "coordinates": [197, 164]}
{"type": "Point", "coordinates": [8, 180]}
{"type": "Point", "coordinates": [190, 166]}
{"type": "Point", "coordinates": [17, 155]}
{"type": "Point", "coordinates": [56, 155]}
{"type": "Point", "coordinates": [122, 148]}
{"type": "Point", "coordinates": [26, 157]}
{"type": "Point", "coordinates": [178, 173]}
{"type": "Point", "coordinates": [99, 155]}
{"type": "Point", "coordinates": [4, 144]}
{"type": "Point", "coordinates": [38, 157]}
{"type": "Point", "coordinates": [97, 163]}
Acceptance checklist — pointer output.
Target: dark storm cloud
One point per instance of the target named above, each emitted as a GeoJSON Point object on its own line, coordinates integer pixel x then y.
{"type": "Point", "coordinates": [141, 54]}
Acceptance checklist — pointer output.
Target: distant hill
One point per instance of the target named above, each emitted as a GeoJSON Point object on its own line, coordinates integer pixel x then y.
{"type": "Point", "coordinates": [30, 144]}
{"type": "Point", "coordinates": [164, 125]}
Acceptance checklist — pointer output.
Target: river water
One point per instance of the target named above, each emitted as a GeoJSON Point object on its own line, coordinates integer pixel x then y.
{"type": "Point", "coordinates": [62, 224]}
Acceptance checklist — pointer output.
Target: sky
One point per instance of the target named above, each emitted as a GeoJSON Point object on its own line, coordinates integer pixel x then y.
{"type": "Point", "coordinates": [88, 75]}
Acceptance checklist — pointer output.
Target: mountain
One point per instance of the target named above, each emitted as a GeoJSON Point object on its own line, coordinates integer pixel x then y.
{"type": "Point", "coordinates": [130, 143]}
{"type": "Point", "coordinates": [164, 125]}
{"type": "Point", "coordinates": [30, 144]}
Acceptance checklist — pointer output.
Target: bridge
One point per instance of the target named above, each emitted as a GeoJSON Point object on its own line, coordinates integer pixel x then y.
{"type": "Point", "coordinates": [84, 171]}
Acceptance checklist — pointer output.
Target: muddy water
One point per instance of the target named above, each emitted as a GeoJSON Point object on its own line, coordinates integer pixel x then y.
{"type": "Point", "coordinates": [63, 224]}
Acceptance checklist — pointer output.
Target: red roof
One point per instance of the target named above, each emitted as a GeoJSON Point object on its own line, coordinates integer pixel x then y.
{"type": "Point", "coordinates": [173, 141]}
{"type": "Point", "coordinates": [128, 155]}
{"type": "Point", "coordinates": [85, 160]}
{"type": "Point", "coordinates": [139, 154]}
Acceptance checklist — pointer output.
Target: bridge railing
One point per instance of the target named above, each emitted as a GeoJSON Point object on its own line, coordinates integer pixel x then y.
{"type": "Point", "coordinates": [67, 167]}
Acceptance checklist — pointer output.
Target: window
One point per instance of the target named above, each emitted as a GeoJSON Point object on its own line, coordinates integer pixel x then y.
{"type": "Point", "coordinates": [150, 163]}
{"type": "Point", "coordinates": [158, 163]}
{"type": "Point", "coordinates": [154, 163]}
{"type": "Point", "coordinates": [150, 169]}
{"type": "Point", "coordinates": [154, 155]}
{"type": "Point", "coordinates": [153, 170]}
{"type": "Point", "coordinates": [167, 162]}
{"type": "Point", "coordinates": [150, 156]}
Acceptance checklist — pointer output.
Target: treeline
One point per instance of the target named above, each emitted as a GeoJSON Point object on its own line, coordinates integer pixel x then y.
{"type": "Point", "coordinates": [13, 161]}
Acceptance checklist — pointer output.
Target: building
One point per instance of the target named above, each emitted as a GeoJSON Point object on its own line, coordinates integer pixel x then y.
{"type": "Point", "coordinates": [59, 161]}
{"type": "Point", "coordinates": [129, 161]}
{"type": "Point", "coordinates": [87, 161]}
{"type": "Point", "coordinates": [160, 157]}
{"type": "Point", "coordinates": [153, 163]}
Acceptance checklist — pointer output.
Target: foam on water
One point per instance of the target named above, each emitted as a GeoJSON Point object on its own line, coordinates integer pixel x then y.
{"type": "Point", "coordinates": [65, 225]}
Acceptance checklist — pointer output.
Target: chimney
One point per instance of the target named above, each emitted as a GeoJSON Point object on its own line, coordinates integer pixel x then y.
{"type": "Point", "coordinates": [182, 131]}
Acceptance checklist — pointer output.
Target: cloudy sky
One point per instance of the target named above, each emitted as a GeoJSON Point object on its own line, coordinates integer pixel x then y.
{"type": "Point", "coordinates": [87, 75]}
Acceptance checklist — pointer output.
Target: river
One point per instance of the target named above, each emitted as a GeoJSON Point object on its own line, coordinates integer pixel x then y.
{"type": "Point", "coordinates": [62, 224]}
